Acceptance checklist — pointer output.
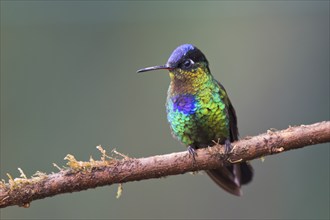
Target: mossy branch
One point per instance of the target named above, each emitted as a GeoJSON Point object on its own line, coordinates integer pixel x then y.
{"type": "Point", "coordinates": [85, 175]}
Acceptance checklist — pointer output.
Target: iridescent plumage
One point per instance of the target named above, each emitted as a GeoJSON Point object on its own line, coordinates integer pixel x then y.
{"type": "Point", "coordinates": [200, 112]}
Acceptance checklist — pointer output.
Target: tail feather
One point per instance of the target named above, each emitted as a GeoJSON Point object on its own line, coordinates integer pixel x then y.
{"type": "Point", "coordinates": [246, 173]}
{"type": "Point", "coordinates": [230, 178]}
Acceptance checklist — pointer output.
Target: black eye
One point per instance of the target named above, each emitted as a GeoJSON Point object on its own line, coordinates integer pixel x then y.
{"type": "Point", "coordinates": [187, 64]}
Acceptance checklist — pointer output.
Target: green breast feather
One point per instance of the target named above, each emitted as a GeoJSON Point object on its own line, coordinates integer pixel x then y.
{"type": "Point", "coordinates": [197, 119]}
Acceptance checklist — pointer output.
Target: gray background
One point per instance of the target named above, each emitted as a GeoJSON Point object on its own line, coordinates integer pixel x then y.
{"type": "Point", "coordinates": [68, 83]}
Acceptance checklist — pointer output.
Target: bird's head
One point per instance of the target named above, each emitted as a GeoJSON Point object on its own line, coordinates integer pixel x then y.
{"type": "Point", "coordinates": [186, 62]}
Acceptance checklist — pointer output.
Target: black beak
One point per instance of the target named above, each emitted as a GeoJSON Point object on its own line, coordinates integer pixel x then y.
{"type": "Point", "coordinates": [164, 67]}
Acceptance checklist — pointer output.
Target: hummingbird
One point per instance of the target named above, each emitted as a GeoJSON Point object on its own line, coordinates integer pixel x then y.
{"type": "Point", "coordinates": [199, 112]}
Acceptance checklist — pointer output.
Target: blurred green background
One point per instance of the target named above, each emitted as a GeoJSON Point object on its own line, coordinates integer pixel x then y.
{"type": "Point", "coordinates": [68, 84]}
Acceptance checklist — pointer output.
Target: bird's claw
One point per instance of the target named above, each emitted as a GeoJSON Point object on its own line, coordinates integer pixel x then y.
{"type": "Point", "coordinates": [228, 147]}
{"type": "Point", "coordinates": [192, 152]}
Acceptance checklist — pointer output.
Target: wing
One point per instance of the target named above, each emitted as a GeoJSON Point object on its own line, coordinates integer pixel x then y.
{"type": "Point", "coordinates": [232, 116]}
{"type": "Point", "coordinates": [233, 176]}
{"type": "Point", "coordinates": [232, 122]}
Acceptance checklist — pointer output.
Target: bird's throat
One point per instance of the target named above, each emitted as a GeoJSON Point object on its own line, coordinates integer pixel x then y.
{"type": "Point", "coordinates": [188, 83]}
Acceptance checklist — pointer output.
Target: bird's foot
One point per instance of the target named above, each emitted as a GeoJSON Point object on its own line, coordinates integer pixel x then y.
{"type": "Point", "coordinates": [192, 152]}
{"type": "Point", "coordinates": [227, 146]}
{"type": "Point", "coordinates": [228, 149]}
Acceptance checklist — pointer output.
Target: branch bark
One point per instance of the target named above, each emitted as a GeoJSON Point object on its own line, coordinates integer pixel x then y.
{"type": "Point", "coordinates": [85, 175]}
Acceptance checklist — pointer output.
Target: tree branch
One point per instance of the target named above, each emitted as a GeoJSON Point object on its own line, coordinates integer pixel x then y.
{"type": "Point", "coordinates": [85, 175]}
